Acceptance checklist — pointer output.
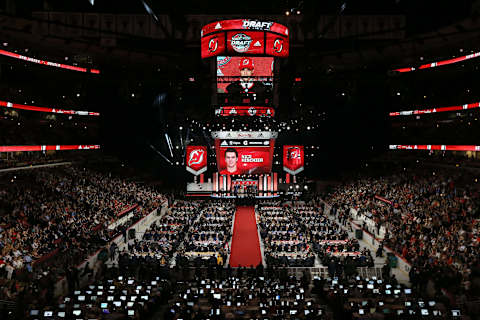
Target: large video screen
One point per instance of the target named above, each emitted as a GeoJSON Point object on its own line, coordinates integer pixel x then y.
{"type": "Point", "coordinates": [244, 74]}
{"type": "Point", "coordinates": [252, 156]}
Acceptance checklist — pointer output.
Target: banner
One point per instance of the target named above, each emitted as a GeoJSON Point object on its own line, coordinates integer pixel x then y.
{"type": "Point", "coordinates": [293, 159]}
{"type": "Point", "coordinates": [196, 159]}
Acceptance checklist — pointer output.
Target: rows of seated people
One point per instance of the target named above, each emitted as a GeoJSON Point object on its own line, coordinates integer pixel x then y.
{"type": "Point", "coordinates": [329, 241]}
{"type": "Point", "coordinates": [285, 242]}
{"type": "Point", "coordinates": [209, 235]}
{"type": "Point", "coordinates": [432, 221]}
{"type": "Point", "coordinates": [64, 211]}
{"type": "Point", "coordinates": [117, 297]}
{"type": "Point", "coordinates": [256, 295]}
{"type": "Point", "coordinates": [164, 236]}
{"type": "Point", "coordinates": [372, 298]}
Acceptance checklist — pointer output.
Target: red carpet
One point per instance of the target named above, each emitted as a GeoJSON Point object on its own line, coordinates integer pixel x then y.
{"type": "Point", "coordinates": [245, 244]}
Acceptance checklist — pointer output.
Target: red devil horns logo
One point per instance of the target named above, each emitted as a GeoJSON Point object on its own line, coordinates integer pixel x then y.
{"type": "Point", "coordinates": [196, 157]}
{"type": "Point", "coordinates": [213, 45]}
{"type": "Point", "coordinates": [278, 45]}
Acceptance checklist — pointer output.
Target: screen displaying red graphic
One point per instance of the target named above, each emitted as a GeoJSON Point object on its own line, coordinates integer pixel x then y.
{"type": "Point", "coordinates": [49, 147]}
{"type": "Point", "coordinates": [442, 147]}
{"type": "Point", "coordinates": [293, 159]}
{"type": "Point", "coordinates": [228, 72]}
{"type": "Point", "coordinates": [277, 45]}
{"type": "Point", "coordinates": [244, 156]}
{"type": "Point", "coordinates": [47, 63]}
{"type": "Point", "coordinates": [245, 37]}
{"type": "Point", "coordinates": [245, 42]}
{"type": "Point", "coordinates": [44, 109]}
{"type": "Point", "coordinates": [213, 45]}
{"type": "Point", "coordinates": [466, 106]}
{"type": "Point", "coordinates": [245, 111]}
{"type": "Point", "coordinates": [244, 24]}
{"type": "Point", "coordinates": [196, 159]}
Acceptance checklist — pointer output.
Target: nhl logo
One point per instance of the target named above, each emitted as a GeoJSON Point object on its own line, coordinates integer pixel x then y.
{"type": "Point", "coordinates": [241, 42]}
{"type": "Point", "coordinates": [252, 111]}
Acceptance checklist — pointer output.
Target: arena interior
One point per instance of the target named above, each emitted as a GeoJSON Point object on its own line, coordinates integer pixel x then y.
{"type": "Point", "coordinates": [291, 159]}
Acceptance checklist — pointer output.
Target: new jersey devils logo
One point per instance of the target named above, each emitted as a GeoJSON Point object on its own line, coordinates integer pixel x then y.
{"type": "Point", "coordinates": [213, 45]}
{"type": "Point", "coordinates": [294, 153]}
{"type": "Point", "coordinates": [278, 45]}
{"type": "Point", "coordinates": [196, 157]}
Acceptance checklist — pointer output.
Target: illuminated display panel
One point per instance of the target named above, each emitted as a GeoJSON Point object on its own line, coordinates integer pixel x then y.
{"type": "Point", "coordinates": [245, 37]}
{"type": "Point", "coordinates": [230, 80]}
{"type": "Point", "coordinates": [249, 156]}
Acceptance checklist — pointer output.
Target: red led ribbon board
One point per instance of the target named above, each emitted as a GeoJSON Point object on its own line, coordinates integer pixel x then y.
{"type": "Point", "coordinates": [245, 37]}
{"type": "Point", "coordinates": [251, 156]}
{"type": "Point", "coordinates": [467, 106]}
{"type": "Point", "coordinates": [441, 147]}
{"type": "Point", "coordinates": [196, 159]}
{"type": "Point", "coordinates": [49, 148]}
{"type": "Point", "coordinates": [440, 63]}
{"type": "Point", "coordinates": [44, 109]}
{"type": "Point", "coordinates": [293, 159]}
{"type": "Point", "coordinates": [47, 63]}
{"type": "Point", "coordinates": [249, 111]}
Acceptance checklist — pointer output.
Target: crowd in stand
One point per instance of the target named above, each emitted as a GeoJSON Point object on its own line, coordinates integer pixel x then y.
{"type": "Point", "coordinates": [63, 214]}
{"type": "Point", "coordinates": [430, 220]}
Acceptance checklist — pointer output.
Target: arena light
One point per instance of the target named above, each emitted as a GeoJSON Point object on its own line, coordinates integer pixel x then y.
{"type": "Point", "coordinates": [466, 106]}
{"type": "Point", "coordinates": [439, 63]}
{"type": "Point", "coordinates": [441, 147]}
{"type": "Point", "coordinates": [47, 63]}
{"type": "Point", "coordinates": [49, 148]}
{"type": "Point", "coordinates": [12, 105]}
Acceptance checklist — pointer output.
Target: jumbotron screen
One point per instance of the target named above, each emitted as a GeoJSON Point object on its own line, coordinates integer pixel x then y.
{"type": "Point", "coordinates": [252, 156]}
{"type": "Point", "coordinates": [233, 74]}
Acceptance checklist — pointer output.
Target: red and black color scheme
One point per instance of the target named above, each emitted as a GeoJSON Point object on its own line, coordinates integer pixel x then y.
{"type": "Point", "coordinates": [293, 159]}
{"type": "Point", "coordinates": [196, 160]}
{"type": "Point", "coordinates": [245, 37]}
{"type": "Point", "coordinates": [250, 111]}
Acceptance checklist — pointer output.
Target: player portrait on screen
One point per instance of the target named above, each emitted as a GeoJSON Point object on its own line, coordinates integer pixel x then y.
{"type": "Point", "coordinates": [246, 83]}
{"type": "Point", "coordinates": [231, 160]}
